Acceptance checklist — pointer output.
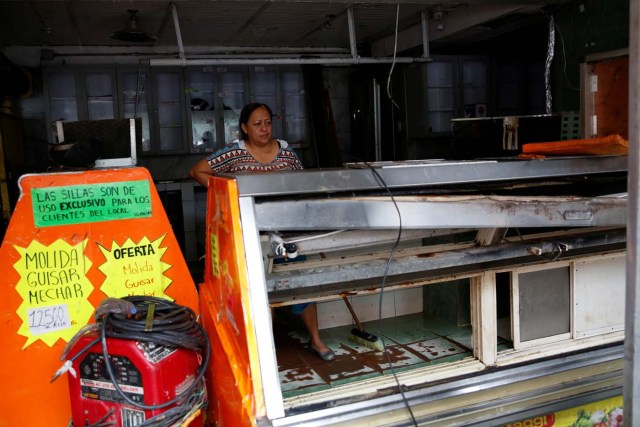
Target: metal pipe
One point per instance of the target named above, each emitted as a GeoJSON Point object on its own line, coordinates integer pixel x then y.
{"type": "Point", "coordinates": [377, 118]}
{"type": "Point", "coordinates": [425, 36]}
{"type": "Point", "coordinates": [176, 24]}
{"type": "Point", "coordinates": [280, 61]}
{"type": "Point", "coordinates": [352, 33]}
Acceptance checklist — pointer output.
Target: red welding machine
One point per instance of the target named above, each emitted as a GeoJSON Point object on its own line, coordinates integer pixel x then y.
{"type": "Point", "coordinates": [149, 375]}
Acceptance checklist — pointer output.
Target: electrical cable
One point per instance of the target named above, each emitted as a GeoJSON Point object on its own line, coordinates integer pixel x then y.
{"type": "Point", "coordinates": [564, 58]}
{"type": "Point", "coordinates": [173, 325]}
{"type": "Point", "coordinates": [559, 248]}
{"type": "Point", "coordinates": [67, 366]}
{"type": "Point", "coordinates": [393, 62]}
{"type": "Point", "coordinates": [384, 280]}
{"type": "Point", "coordinates": [156, 321]}
{"type": "Point", "coordinates": [102, 421]}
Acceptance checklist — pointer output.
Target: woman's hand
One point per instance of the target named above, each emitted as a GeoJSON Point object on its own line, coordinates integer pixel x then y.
{"type": "Point", "coordinates": [201, 172]}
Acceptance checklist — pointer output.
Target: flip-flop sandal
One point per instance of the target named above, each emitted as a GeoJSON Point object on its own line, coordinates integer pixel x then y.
{"type": "Point", "coordinates": [327, 356]}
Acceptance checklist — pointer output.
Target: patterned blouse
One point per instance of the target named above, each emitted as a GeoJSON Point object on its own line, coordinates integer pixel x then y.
{"type": "Point", "coordinates": [235, 159]}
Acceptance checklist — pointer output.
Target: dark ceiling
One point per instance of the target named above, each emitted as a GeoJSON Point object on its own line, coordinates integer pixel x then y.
{"type": "Point", "coordinates": [196, 28]}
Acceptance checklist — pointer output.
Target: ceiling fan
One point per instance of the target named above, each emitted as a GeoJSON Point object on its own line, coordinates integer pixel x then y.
{"type": "Point", "coordinates": [132, 33]}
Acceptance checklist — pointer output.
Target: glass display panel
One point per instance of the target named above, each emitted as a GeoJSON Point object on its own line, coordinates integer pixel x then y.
{"type": "Point", "coordinates": [440, 74]}
{"type": "Point", "coordinates": [233, 99]}
{"type": "Point", "coordinates": [62, 86]}
{"type": "Point", "coordinates": [296, 127]}
{"type": "Point", "coordinates": [136, 106]}
{"type": "Point", "coordinates": [63, 109]}
{"type": "Point", "coordinates": [231, 130]}
{"type": "Point", "coordinates": [99, 87]}
{"type": "Point", "coordinates": [169, 107]}
{"type": "Point", "coordinates": [264, 89]}
{"type": "Point", "coordinates": [170, 138]}
{"type": "Point", "coordinates": [474, 82]}
{"type": "Point", "coordinates": [62, 97]}
{"type": "Point", "coordinates": [202, 106]}
{"type": "Point", "coordinates": [439, 122]}
{"type": "Point", "coordinates": [169, 113]}
{"type": "Point", "coordinates": [439, 99]}
{"type": "Point", "coordinates": [296, 130]}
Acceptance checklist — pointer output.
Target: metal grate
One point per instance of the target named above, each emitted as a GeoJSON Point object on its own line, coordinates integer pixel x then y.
{"type": "Point", "coordinates": [570, 125]}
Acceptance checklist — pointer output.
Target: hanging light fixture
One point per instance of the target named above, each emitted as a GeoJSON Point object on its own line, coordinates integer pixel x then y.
{"type": "Point", "coordinates": [132, 33]}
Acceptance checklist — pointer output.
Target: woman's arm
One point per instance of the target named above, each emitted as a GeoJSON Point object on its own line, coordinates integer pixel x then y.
{"type": "Point", "coordinates": [201, 172]}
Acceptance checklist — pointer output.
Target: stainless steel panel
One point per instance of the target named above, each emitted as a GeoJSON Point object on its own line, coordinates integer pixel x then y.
{"type": "Point", "coordinates": [440, 212]}
{"type": "Point", "coordinates": [423, 174]}
{"type": "Point", "coordinates": [428, 264]}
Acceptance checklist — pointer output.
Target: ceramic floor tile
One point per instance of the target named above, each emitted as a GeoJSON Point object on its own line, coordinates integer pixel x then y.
{"type": "Point", "coordinates": [344, 369]}
{"type": "Point", "coordinates": [409, 341]}
{"type": "Point", "coordinates": [403, 329]}
{"type": "Point", "coordinates": [437, 348]}
{"type": "Point", "coordinates": [440, 327]}
{"type": "Point", "coordinates": [400, 356]}
{"type": "Point", "coordinates": [299, 378]}
{"type": "Point", "coordinates": [463, 339]}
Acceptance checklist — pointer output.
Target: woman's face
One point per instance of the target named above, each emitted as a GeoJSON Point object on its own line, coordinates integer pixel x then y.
{"type": "Point", "coordinates": [258, 127]}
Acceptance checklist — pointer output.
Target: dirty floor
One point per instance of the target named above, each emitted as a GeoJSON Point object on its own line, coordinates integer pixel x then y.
{"type": "Point", "coordinates": [412, 341]}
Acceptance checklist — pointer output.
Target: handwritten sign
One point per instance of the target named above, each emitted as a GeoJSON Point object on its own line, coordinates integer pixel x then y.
{"type": "Point", "coordinates": [54, 290]}
{"type": "Point", "coordinates": [46, 319]}
{"type": "Point", "coordinates": [135, 269]}
{"type": "Point", "coordinates": [77, 204]}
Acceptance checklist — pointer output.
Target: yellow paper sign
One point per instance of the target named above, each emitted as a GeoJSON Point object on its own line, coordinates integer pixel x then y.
{"type": "Point", "coordinates": [135, 269]}
{"type": "Point", "coordinates": [54, 290]}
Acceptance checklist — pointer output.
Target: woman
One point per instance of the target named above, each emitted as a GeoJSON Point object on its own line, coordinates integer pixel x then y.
{"type": "Point", "coordinates": [258, 152]}
{"type": "Point", "coordinates": [255, 151]}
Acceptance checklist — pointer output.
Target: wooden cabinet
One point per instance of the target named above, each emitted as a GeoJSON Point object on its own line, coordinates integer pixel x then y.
{"type": "Point", "coordinates": [296, 124]}
{"type": "Point", "coordinates": [283, 90]}
{"type": "Point", "coordinates": [98, 94]}
{"type": "Point", "coordinates": [62, 95]}
{"type": "Point", "coordinates": [266, 88]}
{"type": "Point", "coordinates": [201, 96]}
{"type": "Point", "coordinates": [183, 110]}
{"type": "Point", "coordinates": [93, 93]}
{"type": "Point", "coordinates": [231, 98]}
{"type": "Point", "coordinates": [216, 96]}
{"type": "Point", "coordinates": [169, 133]}
{"type": "Point", "coordinates": [133, 99]}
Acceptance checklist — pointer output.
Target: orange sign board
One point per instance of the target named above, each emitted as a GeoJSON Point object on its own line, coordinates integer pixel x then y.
{"type": "Point", "coordinates": [235, 380]}
{"type": "Point", "coordinates": [74, 239]}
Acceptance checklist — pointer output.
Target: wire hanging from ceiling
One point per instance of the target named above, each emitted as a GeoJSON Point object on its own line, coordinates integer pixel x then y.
{"type": "Point", "coordinates": [393, 62]}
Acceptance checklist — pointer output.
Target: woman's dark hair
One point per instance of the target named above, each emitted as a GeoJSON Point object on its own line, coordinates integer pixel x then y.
{"type": "Point", "coordinates": [246, 113]}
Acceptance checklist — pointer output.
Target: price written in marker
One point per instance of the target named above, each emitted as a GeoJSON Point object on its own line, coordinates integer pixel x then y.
{"type": "Point", "coordinates": [48, 319]}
